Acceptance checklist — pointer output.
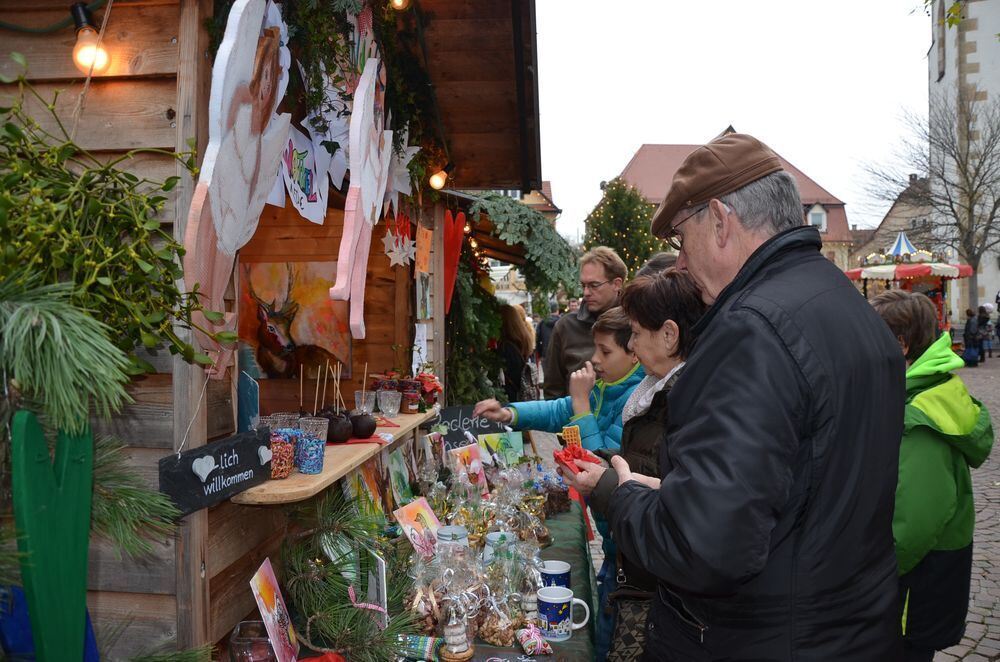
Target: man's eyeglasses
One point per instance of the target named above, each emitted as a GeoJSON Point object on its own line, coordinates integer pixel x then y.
{"type": "Point", "coordinates": [594, 286]}
{"type": "Point", "coordinates": [673, 239]}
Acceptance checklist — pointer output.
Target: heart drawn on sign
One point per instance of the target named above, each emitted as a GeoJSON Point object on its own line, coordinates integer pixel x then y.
{"type": "Point", "coordinates": [203, 466]}
{"type": "Point", "coordinates": [264, 453]}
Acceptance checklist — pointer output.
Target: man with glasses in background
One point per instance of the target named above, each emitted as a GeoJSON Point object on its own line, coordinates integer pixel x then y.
{"type": "Point", "coordinates": [602, 275]}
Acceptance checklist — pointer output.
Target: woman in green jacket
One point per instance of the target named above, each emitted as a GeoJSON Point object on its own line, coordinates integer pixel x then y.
{"type": "Point", "coordinates": [945, 432]}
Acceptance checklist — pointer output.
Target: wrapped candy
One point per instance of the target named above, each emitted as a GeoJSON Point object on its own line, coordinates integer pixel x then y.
{"type": "Point", "coordinates": [532, 642]}
{"type": "Point", "coordinates": [497, 628]}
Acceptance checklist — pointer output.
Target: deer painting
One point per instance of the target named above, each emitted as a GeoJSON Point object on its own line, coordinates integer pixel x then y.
{"type": "Point", "coordinates": [278, 354]}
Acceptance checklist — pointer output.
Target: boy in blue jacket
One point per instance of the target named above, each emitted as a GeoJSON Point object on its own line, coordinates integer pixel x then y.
{"type": "Point", "coordinates": [598, 391]}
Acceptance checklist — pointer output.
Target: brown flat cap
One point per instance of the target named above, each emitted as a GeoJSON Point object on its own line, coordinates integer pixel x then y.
{"type": "Point", "coordinates": [727, 163]}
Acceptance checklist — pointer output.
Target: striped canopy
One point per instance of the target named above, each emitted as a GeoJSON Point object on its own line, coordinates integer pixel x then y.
{"type": "Point", "coordinates": [901, 246]}
{"type": "Point", "coordinates": [907, 271]}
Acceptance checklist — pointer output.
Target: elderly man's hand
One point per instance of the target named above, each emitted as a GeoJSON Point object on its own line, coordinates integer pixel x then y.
{"type": "Point", "coordinates": [585, 481]}
{"type": "Point", "coordinates": [625, 474]}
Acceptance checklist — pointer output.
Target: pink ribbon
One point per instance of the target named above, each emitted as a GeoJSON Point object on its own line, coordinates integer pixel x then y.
{"type": "Point", "coordinates": [366, 605]}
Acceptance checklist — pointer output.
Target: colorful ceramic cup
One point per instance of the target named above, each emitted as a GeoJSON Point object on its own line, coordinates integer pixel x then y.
{"type": "Point", "coordinates": [555, 573]}
{"type": "Point", "coordinates": [555, 613]}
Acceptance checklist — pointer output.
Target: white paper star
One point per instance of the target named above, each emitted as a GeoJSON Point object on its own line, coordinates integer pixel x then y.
{"type": "Point", "coordinates": [389, 241]}
{"type": "Point", "coordinates": [410, 247]}
{"type": "Point", "coordinates": [399, 176]}
{"type": "Point", "coordinates": [397, 257]}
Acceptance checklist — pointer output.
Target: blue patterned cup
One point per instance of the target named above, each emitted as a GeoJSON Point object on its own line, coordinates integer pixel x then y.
{"type": "Point", "coordinates": [555, 573]}
{"type": "Point", "coordinates": [555, 613]}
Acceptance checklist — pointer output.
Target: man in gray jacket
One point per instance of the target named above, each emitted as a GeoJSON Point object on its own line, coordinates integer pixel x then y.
{"type": "Point", "coordinates": [602, 274]}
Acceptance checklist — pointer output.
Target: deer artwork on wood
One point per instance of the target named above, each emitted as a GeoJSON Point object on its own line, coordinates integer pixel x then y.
{"type": "Point", "coordinates": [278, 355]}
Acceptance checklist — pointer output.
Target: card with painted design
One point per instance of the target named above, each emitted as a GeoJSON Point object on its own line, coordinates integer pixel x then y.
{"type": "Point", "coordinates": [274, 613]}
{"type": "Point", "coordinates": [420, 525]}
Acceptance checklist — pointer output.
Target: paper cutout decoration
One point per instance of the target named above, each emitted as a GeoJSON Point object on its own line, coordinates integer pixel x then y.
{"type": "Point", "coordinates": [307, 186]}
{"type": "Point", "coordinates": [399, 173]}
{"type": "Point", "coordinates": [398, 245]}
{"type": "Point", "coordinates": [454, 233]}
{"type": "Point", "coordinates": [420, 525]}
{"type": "Point", "coordinates": [423, 295]}
{"type": "Point", "coordinates": [246, 139]}
{"type": "Point", "coordinates": [422, 263]}
{"type": "Point", "coordinates": [419, 357]}
{"type": "Point", "coordinates": [272, 19]}
{"type": "Point", "coordinates": [335, 113]}
{"type": "Point", "coordinates": [371, 149]}
{"type": "Point", "coordinates": [274, 613]}
{"type": "Point", "coordinates": [287, 321]}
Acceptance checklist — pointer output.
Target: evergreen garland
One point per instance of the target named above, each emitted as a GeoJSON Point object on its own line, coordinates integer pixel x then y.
{"type": "Point", "coordinates": [549, 260]}
{"type": "Point", "coordinates": [318, 586]}
{"type": "Point", "coordinates": [621, 221]}
{"type": "Point", "coordinates": [473, 323]}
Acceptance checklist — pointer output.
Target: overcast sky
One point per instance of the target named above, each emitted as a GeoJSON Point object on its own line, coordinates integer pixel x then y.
{"type": "Point", "coordinates": [825, 84]}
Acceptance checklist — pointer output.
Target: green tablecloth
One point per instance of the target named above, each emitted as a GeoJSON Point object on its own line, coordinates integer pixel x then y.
{"type": "Point", "coordinates": [569, 543]}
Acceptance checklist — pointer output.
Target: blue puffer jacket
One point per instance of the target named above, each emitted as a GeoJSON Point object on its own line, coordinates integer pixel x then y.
{"type": "Point", "coordinates": [601, 428]}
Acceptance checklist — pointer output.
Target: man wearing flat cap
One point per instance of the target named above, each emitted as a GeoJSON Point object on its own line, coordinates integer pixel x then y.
{"type": "Point", "coordinates": [770, 528]}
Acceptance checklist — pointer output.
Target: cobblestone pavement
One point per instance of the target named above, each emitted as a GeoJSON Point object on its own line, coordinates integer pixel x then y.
{"type": "Point", "coordinates": [982, 634]}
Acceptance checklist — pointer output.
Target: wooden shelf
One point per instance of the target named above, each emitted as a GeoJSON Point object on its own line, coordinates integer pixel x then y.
{"type": "Point", "coordinates": [338, 461]}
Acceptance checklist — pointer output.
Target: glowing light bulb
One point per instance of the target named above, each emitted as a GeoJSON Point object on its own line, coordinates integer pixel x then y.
{"type": "Point", "coordinates": [439, 178]}
{"type": "Point", "coordinates": [400, 5]}
{"type": "Point", "coordinates": [87, 52]}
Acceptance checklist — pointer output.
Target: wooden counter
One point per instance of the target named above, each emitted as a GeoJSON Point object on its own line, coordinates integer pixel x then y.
{"type": "Point", "coordinates": [338, 461]}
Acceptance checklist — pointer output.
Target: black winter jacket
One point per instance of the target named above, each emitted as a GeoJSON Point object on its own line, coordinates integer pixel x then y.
{"type": "Point", "coordinates": [771, 533]}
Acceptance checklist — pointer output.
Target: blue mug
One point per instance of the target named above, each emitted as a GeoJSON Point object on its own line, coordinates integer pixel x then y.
{"type": "Point", "coordinates": [555, 613]}
{"type": "Point", "coordinates": [555, 573]}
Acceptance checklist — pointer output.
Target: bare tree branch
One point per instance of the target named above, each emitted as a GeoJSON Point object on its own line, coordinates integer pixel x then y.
{"type": "Point", "coordinates": [957, 150]}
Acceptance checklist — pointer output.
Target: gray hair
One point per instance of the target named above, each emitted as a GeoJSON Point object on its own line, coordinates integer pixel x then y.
{"type": "Point", "coordinates": [770, 204]}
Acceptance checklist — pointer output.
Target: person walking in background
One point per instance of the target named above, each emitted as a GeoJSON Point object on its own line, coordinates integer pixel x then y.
{"type": "Point", "coordinates": [543, 333]}
{"type": "Point", "coordinates": [970, 339]}
{"type": "Point", "coordinates": [985, 333]}
{"type": "Point", "coordinates": [517, 342]}
{"type": "Point", "coordinates": [946, 432]}
{"type": "Point", "coordinates": [602, 274]}
{"type": "Point", "coordinates": [573, 305]}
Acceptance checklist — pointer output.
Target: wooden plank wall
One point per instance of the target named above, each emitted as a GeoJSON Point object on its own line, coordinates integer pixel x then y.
{"type": "Point", "coordinates": [283, 236]}
{"type": "Point", "coordinates": [137, 103]}
{"type": "Point", "coordinates": [241, 537]}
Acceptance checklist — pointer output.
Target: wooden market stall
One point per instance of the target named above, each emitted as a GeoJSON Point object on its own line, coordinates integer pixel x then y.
{"type": "Point", "coordinates": [481, 58]}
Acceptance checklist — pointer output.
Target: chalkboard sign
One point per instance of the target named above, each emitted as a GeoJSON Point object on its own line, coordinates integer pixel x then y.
{"type": "Point", "coordinates": [456, 420]}
{"type": "Point", "coordinates": [204, 476]}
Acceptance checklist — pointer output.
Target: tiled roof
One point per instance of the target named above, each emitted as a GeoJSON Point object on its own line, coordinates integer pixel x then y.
{"type": "Point", "coordinates": [653, 167]}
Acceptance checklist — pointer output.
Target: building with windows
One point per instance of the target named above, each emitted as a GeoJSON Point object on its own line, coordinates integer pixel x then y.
{"type": "Point", "coordinates": [902, 216]}
{"type": "Point", "coordinates": [967, 56]}
{"type": "Point", "coordinates": [653, 166]}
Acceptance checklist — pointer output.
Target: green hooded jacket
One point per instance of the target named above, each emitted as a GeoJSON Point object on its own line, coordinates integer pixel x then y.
{"type": "Point", "coordinates": [945, 432]}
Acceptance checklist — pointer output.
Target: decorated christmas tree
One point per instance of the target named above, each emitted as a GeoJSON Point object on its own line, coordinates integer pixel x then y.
{"type": "Point", "coordinates": [621, 221]}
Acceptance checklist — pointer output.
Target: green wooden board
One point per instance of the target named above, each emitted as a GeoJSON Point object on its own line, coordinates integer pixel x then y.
{"type": "Point", "coordinates": [52, 515]}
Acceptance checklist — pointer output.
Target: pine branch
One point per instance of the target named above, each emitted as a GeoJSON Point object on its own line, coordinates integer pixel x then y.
{"type": "Point", "coordinates": [125, 510]}
{"type": "Point", "coordinates": [58, 354]}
